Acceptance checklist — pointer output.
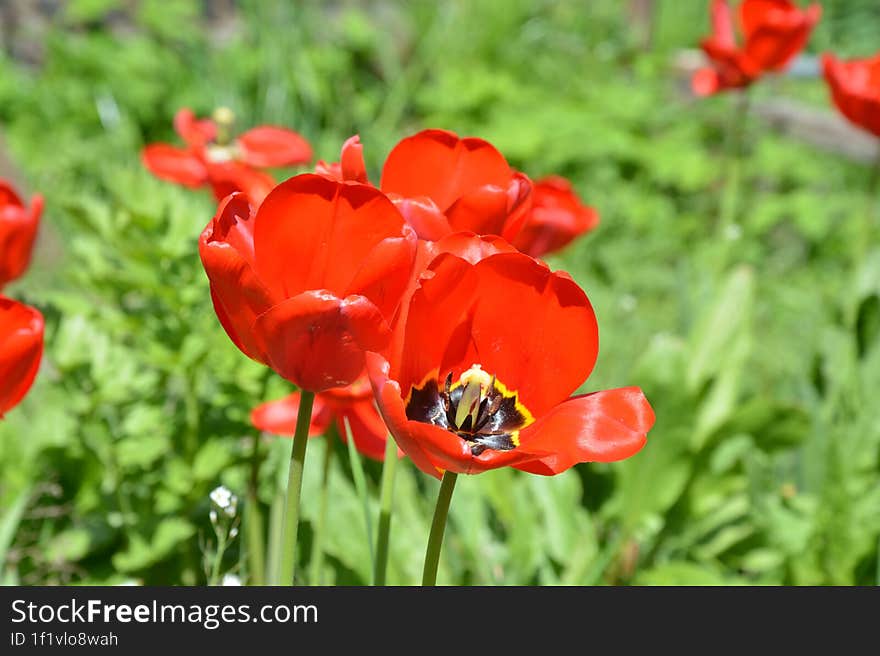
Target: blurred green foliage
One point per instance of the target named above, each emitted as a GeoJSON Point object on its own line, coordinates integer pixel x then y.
{"type": "Point", "coordinates": [756, 341]}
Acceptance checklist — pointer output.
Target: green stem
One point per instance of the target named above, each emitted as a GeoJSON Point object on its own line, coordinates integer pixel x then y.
{"type": "Point", "coordinates": [386, 499]}
{"type": "Point", "coordinates": [276, 528]}
{"type": "Point", "coordinates": [735, 143]}
{"type": "Point", "coordinates": [294, 489]}
{"type": "Point", "coordinates": [870, 217]}
{"type": "Point", "coordinates": [317, 561]}
{"type": "Point", "coordinates": [438, 527]}
{"type": "Point", "coordinates": [360, 484]}
{"type": "Point", "coordinates": [253, 518]}
{"type": "Point", "coordinates": [218, 559]}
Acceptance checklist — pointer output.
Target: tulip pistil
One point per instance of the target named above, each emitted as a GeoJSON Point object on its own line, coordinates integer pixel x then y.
{"type": "Point", "coordinates": [477, 408]}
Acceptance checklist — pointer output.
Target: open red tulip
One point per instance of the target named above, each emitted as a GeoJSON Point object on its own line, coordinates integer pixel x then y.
{"type": "Point", "coordinates": [774, 31]}
{"type": "Point", "coordinates": [492, 347]}
{"type": "Point", "coordinates": [556, 218]}
{"type": "Point", "coordinates": [855, 89]}
{"type": "Point", "coordinates": [21, 348]}
{"type": "Point", "coordinates": [354, 403]}
{"type": "Point", "coordinates": [225, 164]}
{"type": "Point", "coordinates": [18, 231]}
{"type": "Point", "coordinates": [310, 280]}
{"type": "Point", "coordinates": [444, 184]}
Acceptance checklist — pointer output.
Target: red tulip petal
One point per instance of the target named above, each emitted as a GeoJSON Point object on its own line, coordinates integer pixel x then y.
{"type": "Point", "coordinates": [352, 161]}
{"type": "Point", "coordinates": [226, 250]}
{"type": "Point", "coordinates": [315, 233]}
{"type": "Point", "coordinates": [269, 146]}
{"type": "Point", "coordinates": [556, 218]}
{"type": "Point", "coordinates": [385, 273]}
{"type": "Point", "coordinates": [423, 216]}
{"type": "Point", "coordinates": [18, 232]}
{"type": "Point", "coordinates": [231, 176]}
{"type": "Point", "coordinates": [443, 167]}
{"type": "Point", "coordinates": [757, 14]}
{"type": "Point", "coordinates": [438, 323]}
{"type": "Point", "coordinates": [855, 89]}
{"type": "Point", "coordinates": [317, 341]}
{"type": "Point", "coordinates": [482, 211]}
{"type": "Point", "coordinates": [471, 247]}
{"type": "Point", "coordinates": [175, 164]}
{"type": "Point", "coordinates": [705, 82]}
{"type": "Point", "coordinates": [600, 427]}
{"type": "Point", "coordinates": [21, 348]}
{"type": "Point", "coordinates": [776, 31]}
{"type": "Point", "coordinates": [279, 417]}
{"type": "Point", "coordinates": [8, 195]}
{"type": "Point", "coordinates": [722, 23]}
{"type": "Point", "coordinates": [193, 131]}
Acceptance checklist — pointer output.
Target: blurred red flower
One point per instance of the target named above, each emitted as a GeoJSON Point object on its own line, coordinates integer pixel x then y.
{"type": "Point", "coordinates": [354, 403]}
{"type": "Point", "coordinates": [774, 32]}
{"type": "Point", "coordinates": [18, 231]}
{"type": "Point", "coordinates": [310, 280]}
{"type": "Point", "coordinates": [855, 89]}
{"type": "Point", "coordinates": [211, 157]}
{"type": "Point", "coordinates": [21, 348]}
{"type": "Point", "coordinates": [489, 350]}
{"type": "Point", "coordinates": [556, 218]}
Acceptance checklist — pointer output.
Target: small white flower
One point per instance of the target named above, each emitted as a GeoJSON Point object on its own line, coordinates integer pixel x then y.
{"type": "Point", "coordinates": [230, 579]}
{"type": "Point", "coordinates": [213, 516]}
{"type": "Point", "coordinates": [221, 496]}
{"type": "Point", "coordinates": [225, 500]}
{"type": "Point", "coordinates": [233, 533]}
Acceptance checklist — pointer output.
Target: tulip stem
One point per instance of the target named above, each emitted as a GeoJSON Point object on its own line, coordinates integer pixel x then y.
{"type": "Point", "coordinates": [360, 484]}
{"type": "Point", "coordinates": [386, 502]}
{"type": "Point", "coordinates": [294, 489]}
{"type": "Point", "coordinates": [253, 518]}
{"type": "Point", "coordinates": [438, 527]}
{"type": "Point", "coordinates": [868, 225]}
{"type": "Point", "coordinates": [729, 207]}
{"type": "Point", "coordinates": [317, 562]}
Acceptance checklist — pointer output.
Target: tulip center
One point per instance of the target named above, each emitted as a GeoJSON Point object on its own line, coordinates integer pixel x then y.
{"type": "Point", "coordinates": [477, 407]}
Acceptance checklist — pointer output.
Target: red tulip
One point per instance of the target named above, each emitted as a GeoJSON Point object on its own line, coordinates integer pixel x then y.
{"type": "Point", "coordinates": [227, 164]}
{"type": "Point", "coordinates": [855, 89]}
{"type": "Point", "coordinates": [492, 347]}
{"type": "Point", "coordinates": [311, 280]}
{"type": "Point", "coordinates": [21, 347]}
{"type": "Point", "coordinates": [443, 184]}
{"type": "Point", "coordinates": [774, 32]}
{"type": "Point", "coordinates": [354, 403]}
{"type": "Point", "coordinates": [18, 231]}
{"type": "Point", "coordinates": [556, 218]}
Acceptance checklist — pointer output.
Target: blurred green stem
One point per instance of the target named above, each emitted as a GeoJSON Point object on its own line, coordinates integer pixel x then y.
{"type": "Point", "coordinates": [294, 489]}
{"type": "Point", "coordinates": [870, 217]}
{"type": "Point", "coordinates": [254, 521]}
{"type": "Point", "coordinates": [729, 208]}
{"type": "Point", "coordinates": [386, 499]}
{"type": "Point", "coordinates": [218, 558]}
{"type": "Point", "coordinates": [360, 483]}
{"type": "Point", "coordinates": [317, 560]}
{"type": "Point", "coordinates": [276, 528]}
{"type": "Point", "coordinates": [438, 528]}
